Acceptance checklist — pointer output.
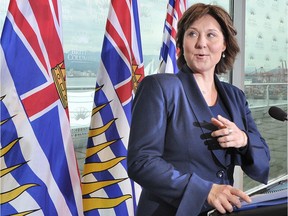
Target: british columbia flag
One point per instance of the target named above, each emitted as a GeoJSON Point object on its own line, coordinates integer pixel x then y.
{"type": "Point", "coordinates": [107, 190]}
{"type": "Point", "coordinates": [168, 53]}
{"type": "Point", "coordinates": [39, 172]}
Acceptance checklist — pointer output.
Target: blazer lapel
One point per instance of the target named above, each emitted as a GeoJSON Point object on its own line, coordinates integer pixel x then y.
{"type": "Point", "coordinates": [224, 97]}
{"type": "Point", "coordinates": [194, 96]}
{"type": "Point", "coordinates": [229, 102]}
{"type": "Point", "coordinates": [202, 114]}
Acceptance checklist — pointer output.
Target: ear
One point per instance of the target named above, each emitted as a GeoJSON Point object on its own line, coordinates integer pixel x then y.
{"type": "Point", "coordinates": [224, 46]}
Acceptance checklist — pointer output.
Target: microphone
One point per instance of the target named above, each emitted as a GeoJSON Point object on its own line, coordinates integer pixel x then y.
{"type": "Point", "coordinates": [277, 113]}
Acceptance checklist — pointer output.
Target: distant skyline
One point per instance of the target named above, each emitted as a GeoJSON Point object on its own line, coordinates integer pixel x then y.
{"type": "Point", "coordinates": [86, 28]}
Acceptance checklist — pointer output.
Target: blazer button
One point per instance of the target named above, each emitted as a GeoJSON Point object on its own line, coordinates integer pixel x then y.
{"type": "Point", "coordinates": [220, 173]}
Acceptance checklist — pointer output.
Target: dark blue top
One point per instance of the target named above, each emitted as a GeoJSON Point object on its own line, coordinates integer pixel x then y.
{"type": "Point", "coordinates": [219, 109]}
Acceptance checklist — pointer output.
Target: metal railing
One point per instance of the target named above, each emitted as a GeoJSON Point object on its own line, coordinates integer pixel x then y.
{"type": "Point", "coordinates": [266, 94]}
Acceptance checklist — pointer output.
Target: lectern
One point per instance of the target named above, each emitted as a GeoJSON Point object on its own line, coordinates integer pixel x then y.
{"type": "Point", "coordinates": [269, 201]}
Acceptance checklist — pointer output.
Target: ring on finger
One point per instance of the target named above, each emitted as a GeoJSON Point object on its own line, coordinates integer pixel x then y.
{"type": "Point", "coordinates": [229, 131]}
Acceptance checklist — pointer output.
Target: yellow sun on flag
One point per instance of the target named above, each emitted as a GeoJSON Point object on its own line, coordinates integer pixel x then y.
{"type": "Point", "coordinates": [88, 188]}
{"type": "Point", "coordinates": [13, 193]}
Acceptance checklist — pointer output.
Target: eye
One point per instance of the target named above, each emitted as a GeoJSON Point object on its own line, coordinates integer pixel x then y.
{"type": "Point", "coordinates": [192, 33]}
{"type": "Point", "coordinates": [211, 35]}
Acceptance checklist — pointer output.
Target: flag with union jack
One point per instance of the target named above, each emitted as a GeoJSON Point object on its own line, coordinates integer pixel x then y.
{"type": "Point", "coordinates": [39, 172]}
{"type": "Point", "coordinates": [107, 190]}
{"type": "Point", "coordinates": [168, 52]}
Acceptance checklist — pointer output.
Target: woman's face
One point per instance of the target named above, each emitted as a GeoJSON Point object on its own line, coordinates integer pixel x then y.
{"type": "Point", "coordinates": [203, 44]}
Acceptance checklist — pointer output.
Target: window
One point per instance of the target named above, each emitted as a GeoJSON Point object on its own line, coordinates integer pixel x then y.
{"type": "Point", "coordinates": [266, 43]}
{"type": "Point", "coordinates": [265, 68]}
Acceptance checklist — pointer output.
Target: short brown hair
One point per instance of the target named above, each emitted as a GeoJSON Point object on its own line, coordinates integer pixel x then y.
{"type": "Point", "coordinates": [194, 13]}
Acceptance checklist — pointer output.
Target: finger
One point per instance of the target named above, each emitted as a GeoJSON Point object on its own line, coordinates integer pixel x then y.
{"type": "Point", "coordinates": [223, 120]}
{"type": "Point", "coordinates": [225, 144]}
{"type": "Point", "coordinates": [219, 207]}
{"type": "Point", "coordinates": [227, 205]}
{"type": "Point", "coordinates": [246, 198]}
{"type": "Point", "coordinates": [232, 200]}
{"type": "Point", "coordinates": [222, 132]}
{"type": "Point", "coordinates": [224, 199]}
{"type": "Point", "coordinates": [223, 139]}
{"type": "Point", "coordinates": [241, 195]}
{"type": "Point", "coordinates": [217, 123]}
{"type": "Point", "coordinates": [235, 201]}
{"type": "Point", "coordinates": [230, 131]}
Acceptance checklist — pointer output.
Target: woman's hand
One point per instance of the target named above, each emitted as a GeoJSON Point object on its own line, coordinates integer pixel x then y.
{"type": "Point", "coordinates": [225, 197]}
{"type": "Point", "coordinates": [229, 135]}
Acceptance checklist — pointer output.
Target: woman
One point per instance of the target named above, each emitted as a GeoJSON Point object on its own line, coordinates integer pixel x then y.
{"type": "Point", "coordinates": [190, 130]}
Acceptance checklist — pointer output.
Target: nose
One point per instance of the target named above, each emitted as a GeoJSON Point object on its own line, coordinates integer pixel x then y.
{"type": "Point", "coordinates": [201, 42]}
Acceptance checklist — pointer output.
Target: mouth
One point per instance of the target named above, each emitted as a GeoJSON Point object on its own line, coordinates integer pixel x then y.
{"type": "Point", "coordinates": [201, 55]}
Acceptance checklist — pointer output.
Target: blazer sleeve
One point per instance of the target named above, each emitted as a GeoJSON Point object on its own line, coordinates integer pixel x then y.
{"type": "Point", "coordinates": [254, 160]}
{"type": "Point", "coordinates": [146, 166]}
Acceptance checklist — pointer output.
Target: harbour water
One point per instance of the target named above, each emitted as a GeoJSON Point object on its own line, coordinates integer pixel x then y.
{"type": "Point", "coordinates": [81, 82]}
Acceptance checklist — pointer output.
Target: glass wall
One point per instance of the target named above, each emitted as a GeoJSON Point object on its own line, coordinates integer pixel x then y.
{"type": "Point", "coordinates": [266, 52]}
{"type": "Point", "coordinates": [265, 84]}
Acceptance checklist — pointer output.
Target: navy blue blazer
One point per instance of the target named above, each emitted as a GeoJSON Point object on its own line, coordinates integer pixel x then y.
{"type": "Point", "coordinates": [171, 153]}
